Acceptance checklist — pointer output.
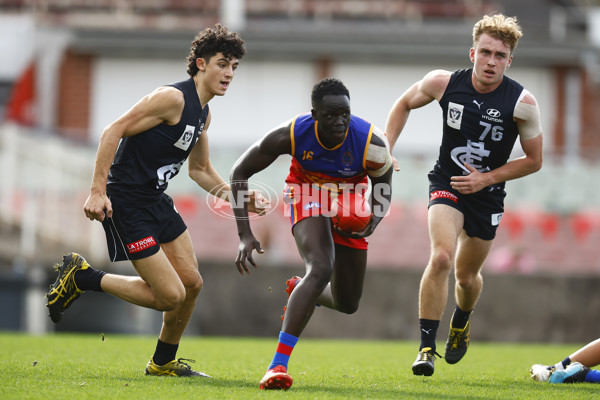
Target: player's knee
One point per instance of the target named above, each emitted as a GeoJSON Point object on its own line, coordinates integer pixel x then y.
{"type": "Point", "coordinates": [170, 300]}
{"type": "Point", "coordinates": [194, 285]}
{"type": "Point", "coordinates": [319, 277]}
{"type": "Point", "coordinates": [441, 261]}
{"type": "Point", "coordinates": [348, 307]}
{"type": "Point", "coordinates": [191, 280]}
{"type": "Point", "coordinates": [466, 279]}
{"type": "Point", "coordinates": [198, 284]}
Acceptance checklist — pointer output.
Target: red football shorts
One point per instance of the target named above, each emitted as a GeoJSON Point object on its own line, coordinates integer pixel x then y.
{"type": "Point", "coordinates": [307, 200]}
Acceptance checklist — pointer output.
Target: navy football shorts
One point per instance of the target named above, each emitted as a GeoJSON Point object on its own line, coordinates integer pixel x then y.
{"type": "Point", "coordinates": [137, 232]}
{"type": "Point", "coordinates": [482, 210]}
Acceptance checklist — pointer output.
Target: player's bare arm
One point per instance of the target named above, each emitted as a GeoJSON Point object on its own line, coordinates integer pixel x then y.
{"type": "Point", "coordinates": [202, 171]}
{"type": "Point", "coordinates": [163, 105]}
{"type": "Point", "coordinates": [527, 117]}
{"type": "Point", "coordinates": [421, 93]}
{"type": "Point", "coordinates": [258, 157]}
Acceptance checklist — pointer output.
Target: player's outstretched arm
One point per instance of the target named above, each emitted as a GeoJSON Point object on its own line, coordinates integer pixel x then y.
{"type": "Point", "coordinates": [421, 93]}
{"type": "Point", "coordinates": [258, 157]}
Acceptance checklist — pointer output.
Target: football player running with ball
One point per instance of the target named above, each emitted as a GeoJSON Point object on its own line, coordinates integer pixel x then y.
{"type": "Point", "coordinates": [484, 112]}
{"type": "Point", "coordinates": [332, 150]}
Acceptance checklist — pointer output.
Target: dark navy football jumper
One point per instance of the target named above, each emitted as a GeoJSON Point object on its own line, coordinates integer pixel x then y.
{"type": "Point", "coordinates": [143, 215]}
{"type": "Point", "coordinates": [478, 129]}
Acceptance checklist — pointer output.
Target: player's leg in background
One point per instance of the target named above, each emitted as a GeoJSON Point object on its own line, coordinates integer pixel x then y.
{"type": "Point", "coordinates": [345, 290]}
{"type": "Point", "coordinates": [588, 355]}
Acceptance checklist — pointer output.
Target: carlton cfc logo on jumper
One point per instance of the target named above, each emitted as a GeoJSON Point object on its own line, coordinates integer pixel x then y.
{"type": "Point", "coordinates": [473, 154]}
{"type": "Point", "coordinates": [140, 245]}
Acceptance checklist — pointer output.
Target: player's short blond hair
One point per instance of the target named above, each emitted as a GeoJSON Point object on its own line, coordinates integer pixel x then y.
{"type": "Point", "coordinates": [499, 27]}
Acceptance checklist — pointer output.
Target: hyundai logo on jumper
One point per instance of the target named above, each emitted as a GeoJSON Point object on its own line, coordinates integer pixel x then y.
{"type": "Point", "coordinates": [254, 193]}
{"type": "Point", "coordinates": [492, 112]}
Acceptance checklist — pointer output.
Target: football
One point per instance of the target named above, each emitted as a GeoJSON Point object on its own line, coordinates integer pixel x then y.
{"type": "Point", "coordinates": [350, 212]}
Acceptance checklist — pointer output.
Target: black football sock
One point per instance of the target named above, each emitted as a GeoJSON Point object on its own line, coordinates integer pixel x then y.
{"type": "Point", "coordinates": [89, 279]}
{"type": "Point", "coordinates": [164, 353]}
{"type": "Point", "coordinates": [460, 318]}
{"type": "Point", "coordinates": [429, 329]}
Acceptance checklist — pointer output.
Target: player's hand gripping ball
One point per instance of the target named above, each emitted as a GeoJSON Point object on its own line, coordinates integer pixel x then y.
{"type": "Point", "coordinates": [350, 212]}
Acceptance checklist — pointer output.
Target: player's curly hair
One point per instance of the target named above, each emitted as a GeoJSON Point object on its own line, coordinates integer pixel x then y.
{"type": "Point", "coordinates": [215, 40]}
{"type": "Point", "coordinates": [499, 27]}
{"type": "Point", "coordinates": [325, 87]}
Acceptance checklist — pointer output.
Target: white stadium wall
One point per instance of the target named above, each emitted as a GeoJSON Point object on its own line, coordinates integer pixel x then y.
{"type": "Point", "coordinates": [266, 93]}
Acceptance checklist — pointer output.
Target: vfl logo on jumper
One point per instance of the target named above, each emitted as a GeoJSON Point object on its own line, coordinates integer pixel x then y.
{"type": "Point", "coordinates": [140, 245]}
{"type": "Point", "coordinates": [312, 204]}
{"type": "Point", "coordinates": [478, 104]}
{"type": "Point", "coordinates": [496, 219]}
{"type": "Point", "coordinates": [455, 114]}
{"type": "Point", "coordinates": [472, 154]}
{"type": "Point", "coordinates": [186, 139]}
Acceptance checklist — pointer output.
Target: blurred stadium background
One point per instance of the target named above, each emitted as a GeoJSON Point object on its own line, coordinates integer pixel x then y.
{"type": "Point", "coordinates": [70, 67]}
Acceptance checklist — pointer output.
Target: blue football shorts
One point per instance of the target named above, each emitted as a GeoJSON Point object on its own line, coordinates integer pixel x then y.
{"type": "Point", "coordinates": [482, 210]}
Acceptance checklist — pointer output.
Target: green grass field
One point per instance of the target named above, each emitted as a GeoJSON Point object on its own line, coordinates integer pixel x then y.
{"type": "Point", "coordinates": [75, 366]}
